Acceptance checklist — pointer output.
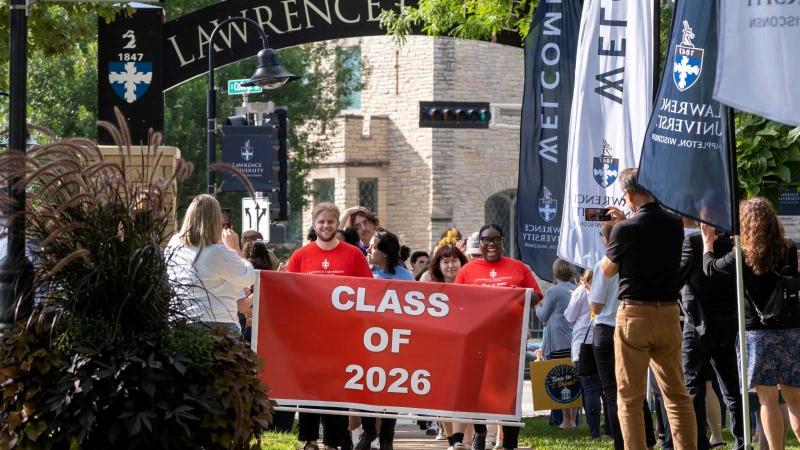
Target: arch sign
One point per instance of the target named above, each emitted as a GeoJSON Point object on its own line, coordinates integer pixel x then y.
{"type": "Point", "coordinates": [141, 56]}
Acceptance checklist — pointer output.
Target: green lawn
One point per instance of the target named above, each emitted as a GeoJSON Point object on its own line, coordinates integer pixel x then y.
{"type": "Point", "coordinates": [540, 436]}
{"type": "Point", "coordinates": [536, 434]}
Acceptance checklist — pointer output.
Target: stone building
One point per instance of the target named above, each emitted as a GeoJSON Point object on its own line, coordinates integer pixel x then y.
{"type": "Point", "coordinates": [421, 181]}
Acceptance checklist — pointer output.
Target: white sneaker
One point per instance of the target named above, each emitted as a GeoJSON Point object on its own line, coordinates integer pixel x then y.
{"type": "Point", "coordinates": [460, 446]}
{"type": "Point", "coordinates": [441, 436]}
{"type": "Point", "coordinates": [375, 445]}
{"type": "Point", "coordinates": [356, 434]}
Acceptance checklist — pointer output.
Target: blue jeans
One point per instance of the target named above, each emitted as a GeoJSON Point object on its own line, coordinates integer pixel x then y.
{"type": "Point", "coordinates": [591, 403]}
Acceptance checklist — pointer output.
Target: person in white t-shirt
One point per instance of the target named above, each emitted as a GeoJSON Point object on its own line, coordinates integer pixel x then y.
{"type": "Point", "coordinates": [205, 262]}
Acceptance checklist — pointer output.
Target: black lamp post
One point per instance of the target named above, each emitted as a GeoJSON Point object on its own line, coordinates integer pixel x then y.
{"type": "Point", "coordinates": [15, 263]}
{"type": "Point", "coordinates": [270, 74]}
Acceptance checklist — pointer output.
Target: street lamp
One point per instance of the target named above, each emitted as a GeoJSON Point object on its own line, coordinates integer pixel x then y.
{"type": "Point", "coordinates": [14, 264]}
{"type": "Point", "coordinates": [269, 74]}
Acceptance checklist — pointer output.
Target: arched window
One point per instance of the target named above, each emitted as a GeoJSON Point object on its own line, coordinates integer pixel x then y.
{"type": "Point", "coordinates": [501, 209]}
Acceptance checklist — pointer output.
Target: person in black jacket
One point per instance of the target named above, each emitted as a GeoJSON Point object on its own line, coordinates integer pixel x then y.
{"type": "Point", "coordinates": [773, 353]}
{"type": "Point", "coordinates": [709, 334]}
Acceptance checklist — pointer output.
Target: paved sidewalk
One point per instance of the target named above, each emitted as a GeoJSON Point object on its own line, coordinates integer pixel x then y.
{"type": "Point", "coordinates": [408, 436]}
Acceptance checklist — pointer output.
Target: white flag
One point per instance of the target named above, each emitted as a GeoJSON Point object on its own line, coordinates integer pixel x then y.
{"type": "Point", "coordinates": [611, 106]}
{"type": "Point", "coordinates": [759, 58]}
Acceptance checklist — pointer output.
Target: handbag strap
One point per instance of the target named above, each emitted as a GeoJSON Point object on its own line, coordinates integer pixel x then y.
{"type": "Point", "coordinates": [588, 329]}
{"type": "Point", "coordinates": [752, 302]}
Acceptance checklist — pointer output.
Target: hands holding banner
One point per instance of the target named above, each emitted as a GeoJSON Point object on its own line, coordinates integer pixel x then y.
{"type": "Point", "coordinates": [378, 345]}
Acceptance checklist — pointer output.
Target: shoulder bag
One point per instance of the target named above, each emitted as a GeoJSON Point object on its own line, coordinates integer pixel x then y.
{"type": "Point", "coordinates": [587, 366]}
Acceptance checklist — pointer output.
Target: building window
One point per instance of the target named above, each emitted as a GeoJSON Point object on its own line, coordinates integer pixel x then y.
{"type": "Point", "coordinates": [368, 193]}
{"type": "Point", "coordinates": [500, 209]}
{"type": "Point", "coordinates": [324, 190]}
{"type": "Point", "coordinates": [349, 78]}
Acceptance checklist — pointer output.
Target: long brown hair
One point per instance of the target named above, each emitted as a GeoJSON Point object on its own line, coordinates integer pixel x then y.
{"type": "Point", "coordinates": [763, 243]}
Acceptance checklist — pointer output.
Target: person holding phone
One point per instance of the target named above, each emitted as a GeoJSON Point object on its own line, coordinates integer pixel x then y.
{"type": "Point", "coordinates": [645, 250]}
{"type": "Point", "coordinates": [204, 262]}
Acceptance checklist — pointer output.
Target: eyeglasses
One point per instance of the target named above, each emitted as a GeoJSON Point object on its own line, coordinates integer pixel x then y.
{"type": "Point", "coordinates": [497, 240]}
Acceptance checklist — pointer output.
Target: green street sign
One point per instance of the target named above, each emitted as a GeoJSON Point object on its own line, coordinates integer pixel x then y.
{"type": "Point", "coordinates": [235, 88]}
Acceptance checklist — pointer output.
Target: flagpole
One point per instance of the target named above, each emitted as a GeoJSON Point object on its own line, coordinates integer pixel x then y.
{"type": "Point", "coordinates": [657, 46]}
{"type": "Point", "coordinates": [740, 299]}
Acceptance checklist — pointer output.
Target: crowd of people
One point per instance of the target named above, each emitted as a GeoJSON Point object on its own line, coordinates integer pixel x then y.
{"type": "Point", "coordinates": [661, 305]}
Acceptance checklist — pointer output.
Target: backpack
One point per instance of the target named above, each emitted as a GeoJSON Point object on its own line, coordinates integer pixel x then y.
{"type": "Point", "coordinates": [782, 309]}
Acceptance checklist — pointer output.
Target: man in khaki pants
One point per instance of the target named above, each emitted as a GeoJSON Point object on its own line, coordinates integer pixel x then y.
{"type": "Point", "coordinates": [646, 252]}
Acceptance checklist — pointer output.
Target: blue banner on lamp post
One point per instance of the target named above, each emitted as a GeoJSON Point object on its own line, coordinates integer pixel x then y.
{"type": "Point", "coordinates": [249, 150]}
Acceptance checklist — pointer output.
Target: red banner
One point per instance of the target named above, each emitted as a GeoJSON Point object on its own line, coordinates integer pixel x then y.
{"type": "Point", "coordinates": [384, 345]}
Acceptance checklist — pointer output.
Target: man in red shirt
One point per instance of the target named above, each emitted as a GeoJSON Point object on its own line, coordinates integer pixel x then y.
{"type": "Point", "coordinates": [495, 270]}
{"type": "Point", "coordinates": [327, 256]}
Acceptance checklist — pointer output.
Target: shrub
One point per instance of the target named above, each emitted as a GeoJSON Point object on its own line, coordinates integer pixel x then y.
{"type": "Point", "coordinates": [107, 358]}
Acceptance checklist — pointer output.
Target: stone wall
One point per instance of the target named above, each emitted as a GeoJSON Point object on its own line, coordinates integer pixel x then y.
{"type": "Point", "coordinates": [430, 178]}
{"type": "Point", "coordinates": [141, 163]}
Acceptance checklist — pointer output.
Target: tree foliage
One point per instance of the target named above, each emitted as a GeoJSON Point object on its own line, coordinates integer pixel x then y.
{"type": "Point", "coordinates": [467, 19]}
{"type": "Point", "coordinates": [768, 156]}
{"type": "Point", "coordinates": [49, 34]}
{"type": "Point", "coordinates": [62, 92]}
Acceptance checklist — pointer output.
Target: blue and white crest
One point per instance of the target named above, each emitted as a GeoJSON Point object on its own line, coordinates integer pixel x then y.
{"type": "Point", "coordinates": [247, 151]}
{"type": "Point", "coordinates": [548, 206]}
{"type": "Point", "coordinates": [605, 168]}
{"type": "Point", "coordinates": [130, 80]}
{"type": "Point", "coordinates": [688, 63]}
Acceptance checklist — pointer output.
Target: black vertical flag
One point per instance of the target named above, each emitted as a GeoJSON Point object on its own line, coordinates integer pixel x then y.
{"type": "Point", "coordinates": [684, 161]}
{"type": "Point", "coordinates": [550, 50]}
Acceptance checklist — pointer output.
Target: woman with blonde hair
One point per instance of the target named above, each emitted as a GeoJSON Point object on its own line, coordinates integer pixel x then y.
{"type": "Point", "coordinates": [773, 355]}
{"type": "Point", "coordinates": [204, 262]}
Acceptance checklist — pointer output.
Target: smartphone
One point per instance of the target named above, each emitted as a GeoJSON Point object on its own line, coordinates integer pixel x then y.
{"type": "Point", "coordinates": [226, 218]}
{"type": "Point", "coordinates": [596, 215]}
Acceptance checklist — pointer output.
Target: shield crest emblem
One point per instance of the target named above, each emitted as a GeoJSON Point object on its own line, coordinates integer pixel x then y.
{"type": "Point", "coordinates": [247, 151]}
{"type": "Point", "coordinates": [130, 80]}
{"type": "Point", "coordinates": [605, 170]}
{"type": "Point", "coordinates": [548, 208]}
{"type": "Point", "coordinates": [687, 66]}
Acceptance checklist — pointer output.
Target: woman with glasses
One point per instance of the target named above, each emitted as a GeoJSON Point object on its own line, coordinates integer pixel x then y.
{"type": "Point", "coordinates": [494, 269]}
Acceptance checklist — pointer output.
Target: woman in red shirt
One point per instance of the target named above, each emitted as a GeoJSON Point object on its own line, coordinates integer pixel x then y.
{"type": "Point", "coordinates": [494, 269]}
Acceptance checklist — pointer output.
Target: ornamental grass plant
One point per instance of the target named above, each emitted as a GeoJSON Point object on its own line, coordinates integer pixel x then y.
{"type": "Point", "coordinates": [104, 355]}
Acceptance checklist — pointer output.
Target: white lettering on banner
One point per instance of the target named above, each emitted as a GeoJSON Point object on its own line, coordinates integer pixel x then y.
{"type": "Point", "coordinates": [398, 337]}
{"type": "Point", "coordinates": [704, 121]}
{"type": "Point", "coordinates": [376, 379]}
{"type": "Point", "coordinates": [377, 339]}
{"type": "Point", "coordinates": [383, 341]}
{"type": "Point", "coordinates": [342, 299]}
{"type": "Point", "coordinates": [549, 80]}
